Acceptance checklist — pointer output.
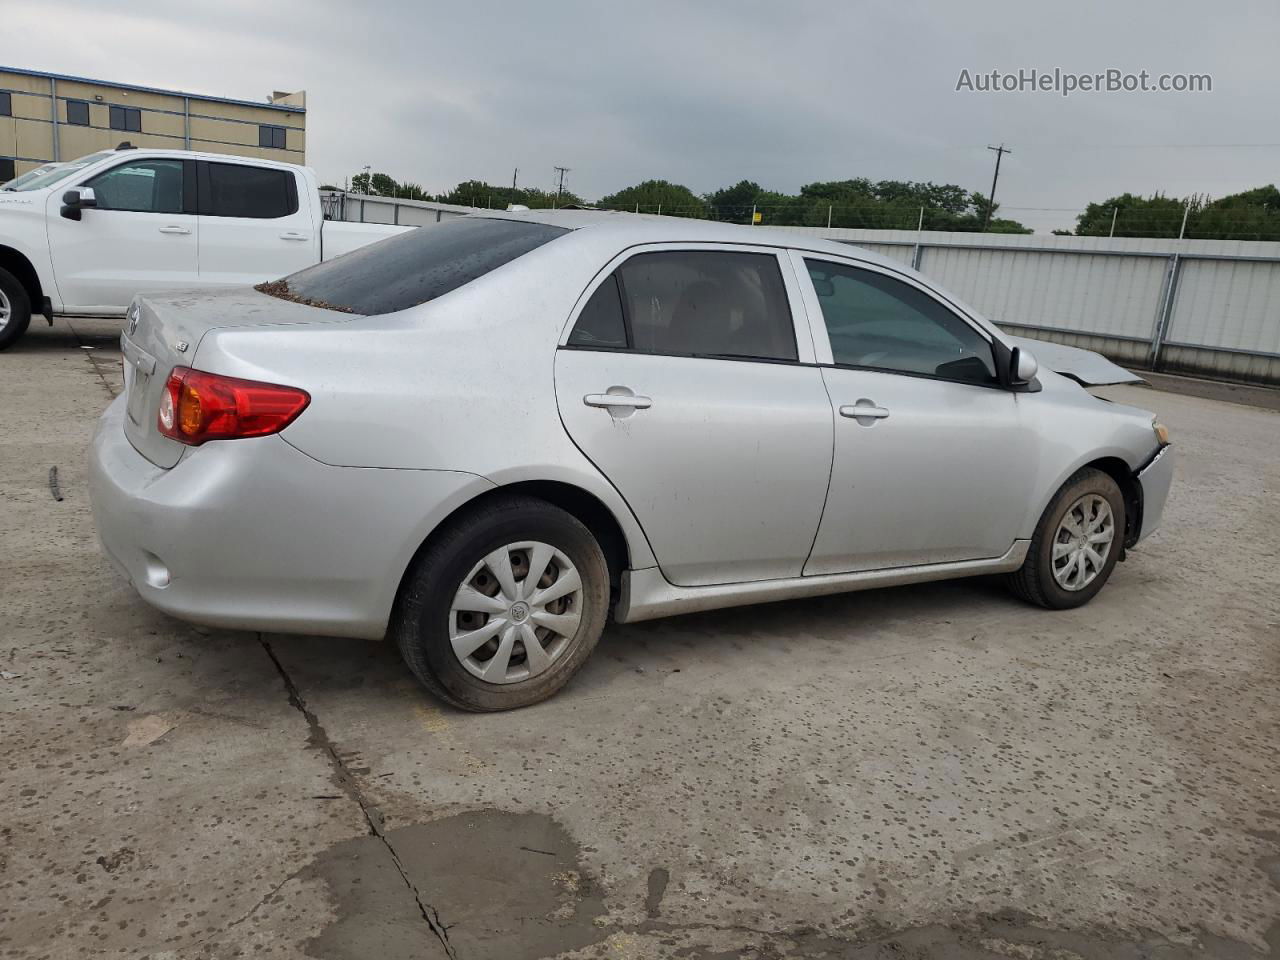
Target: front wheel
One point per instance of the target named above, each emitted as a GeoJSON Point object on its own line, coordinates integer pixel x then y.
{"type": "Point", "coordinates": [1076, 543]}
{"type": "Point", "coordinates": [15, 309]}
{"type": "Point", "coordinates": [504, 606]}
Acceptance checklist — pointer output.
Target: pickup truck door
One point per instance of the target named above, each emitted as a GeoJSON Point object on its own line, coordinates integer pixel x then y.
{"type": "Point", "coordinates": [143, 235]}
{"type": "Point", "coordinates": [256, 223]}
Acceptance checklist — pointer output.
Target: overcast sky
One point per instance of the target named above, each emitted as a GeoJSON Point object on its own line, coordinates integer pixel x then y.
{"type": "Point", "coordinates": [709, 93]}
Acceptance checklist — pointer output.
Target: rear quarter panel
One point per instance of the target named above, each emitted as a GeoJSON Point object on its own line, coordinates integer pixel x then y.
{"type": "Point", "coordinates": [463, 383]}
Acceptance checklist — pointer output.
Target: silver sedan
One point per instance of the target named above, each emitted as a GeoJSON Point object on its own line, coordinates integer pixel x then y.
{"type": "Point", "coordinates": [482, 438]}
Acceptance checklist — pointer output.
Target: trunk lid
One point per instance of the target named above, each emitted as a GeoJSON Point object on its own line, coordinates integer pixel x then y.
{"type": "Point", "coordinates": [163, 332]}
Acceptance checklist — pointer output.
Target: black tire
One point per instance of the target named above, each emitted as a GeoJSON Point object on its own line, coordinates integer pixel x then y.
{"type": "Point", "coordinates": [420, 624]}
{"type": "Point", "coordinates": [19, 309]}
{"type": "Point", "coordinates": [1034, 581]}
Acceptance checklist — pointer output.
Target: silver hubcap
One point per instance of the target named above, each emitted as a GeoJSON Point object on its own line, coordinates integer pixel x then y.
{"type": "Point", "coordinates": [5, 310]}
{"type": "Point", "coordinates": [516, 612]}
{"type": "Point", "coordinates": [1083, 541]}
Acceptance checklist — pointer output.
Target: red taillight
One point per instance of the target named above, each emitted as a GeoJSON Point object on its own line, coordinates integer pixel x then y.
{"type": "Point", "coordinates": [198, 406]}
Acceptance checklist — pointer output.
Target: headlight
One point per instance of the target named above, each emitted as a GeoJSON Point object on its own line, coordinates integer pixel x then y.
{"type": "Point", "coordinates": [1162, 432]}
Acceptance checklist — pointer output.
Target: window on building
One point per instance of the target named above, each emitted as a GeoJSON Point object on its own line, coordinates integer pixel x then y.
{"type": "Point", "coordinates": [147, 186]}
{"type": "Point", "coordinates": [258, 193]}
{"type": "Point", "coordinates": [6, 169]}
{"type": "Point", "coordinates": [77, 113]}
{"type": "Point", "coordinates": [273, 137]}
{"type": "Point", "coordinates": [708, 303]}
{"type": "Point", "coordinates": [126, 118]}
{"type": "Point", "coordinates": [6, 105]}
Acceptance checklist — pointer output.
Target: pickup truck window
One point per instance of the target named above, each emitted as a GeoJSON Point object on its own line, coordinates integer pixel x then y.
{"type": "Point", "coordinates": [412, 268]}
{"type": "Point", "coordinates": [257, 193]}
{"type": "Point", "coordinates": [147, 186]}
{"type": "Point", "coordinates": [57, 173]}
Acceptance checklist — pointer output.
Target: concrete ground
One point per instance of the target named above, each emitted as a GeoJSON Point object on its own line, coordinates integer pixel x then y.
{"type": "Point", "coordinates": [936, 771]}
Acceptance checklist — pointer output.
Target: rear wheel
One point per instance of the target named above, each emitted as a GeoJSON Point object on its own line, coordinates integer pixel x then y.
{"type": "Point", "coordinates": [1076, 543]}
{"type": "Point", "coordinates": [504, 606]}
{"type": "Point", "coordinates": [15, 309]}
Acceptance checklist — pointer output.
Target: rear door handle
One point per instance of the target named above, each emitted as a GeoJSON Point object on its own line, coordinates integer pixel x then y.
{"type": "Point", "coordinates": [864, 410]}
{"type": "Point", "coordinates": [294, 235]}
{"type": "Point", "coordinates": [629, 401]}
{"type": "Point", "coordinates": [173, 228]}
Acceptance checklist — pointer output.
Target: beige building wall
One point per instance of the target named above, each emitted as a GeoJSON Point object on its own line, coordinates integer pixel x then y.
{"type": "Point", "coordinates": [38, 129]}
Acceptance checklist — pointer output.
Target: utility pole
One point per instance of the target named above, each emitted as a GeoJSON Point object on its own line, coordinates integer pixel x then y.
{"type": "Point", "coordinates": [561, 171]}
{"type": "Point", "coordinates": [368, 181]}
{"type": "Point", "coordinates": [515, 173]}
{"type": "Point", "coordinates": [991, 201]}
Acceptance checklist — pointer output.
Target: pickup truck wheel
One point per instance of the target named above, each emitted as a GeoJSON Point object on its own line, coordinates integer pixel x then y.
{"type": "Point", "coordinates": [15, 309]}
{"type": "Point", "coordinates": [1076, 543]}
{"type": "Point", "coordinates": [504, 606]}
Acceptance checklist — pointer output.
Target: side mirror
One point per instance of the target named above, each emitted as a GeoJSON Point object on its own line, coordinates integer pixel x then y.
{"type": "Point", "coordinates": [1025, 366]}
{"type": "Point", "coordinates": [77, 199]}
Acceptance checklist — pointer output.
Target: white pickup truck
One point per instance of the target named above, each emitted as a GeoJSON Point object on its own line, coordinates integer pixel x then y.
{"type": "Point", "coordinates": [84, 237]}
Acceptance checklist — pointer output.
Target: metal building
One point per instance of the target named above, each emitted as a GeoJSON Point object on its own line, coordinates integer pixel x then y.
{"type": "Point", "coordinates": [48, 117]}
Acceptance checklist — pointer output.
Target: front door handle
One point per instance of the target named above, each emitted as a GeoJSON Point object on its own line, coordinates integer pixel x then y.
{"type": "Point", "coordinates": [864, 409]}
{"type": "Point", "coordinates": [293, 235]}
{"type": "Point", "coordinates": [629, 401]}
{"type": "Point", "coordinates": [180, 231]}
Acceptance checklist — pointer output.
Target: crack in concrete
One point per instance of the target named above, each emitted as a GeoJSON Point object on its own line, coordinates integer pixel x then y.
{"type": "Point", "coordinates": [346, 783]}
{"type": "Point", "coordinates": [112, 392]}
{"type": "Point", "coordinates": [265, 897]}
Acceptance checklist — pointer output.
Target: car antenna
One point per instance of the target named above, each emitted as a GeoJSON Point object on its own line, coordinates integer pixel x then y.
{"type": "Point", "coordinates": [126, 145]}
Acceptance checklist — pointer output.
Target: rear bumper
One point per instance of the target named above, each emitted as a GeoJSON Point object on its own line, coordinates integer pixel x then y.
{"type": "Point", "coordinates": [256, 535]}
{"type": "Point", "coordinates": [1155, 479]}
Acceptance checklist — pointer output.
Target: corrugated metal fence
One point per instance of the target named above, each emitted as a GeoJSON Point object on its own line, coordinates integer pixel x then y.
{"type": "Point", "coordinates": [1206, 307]}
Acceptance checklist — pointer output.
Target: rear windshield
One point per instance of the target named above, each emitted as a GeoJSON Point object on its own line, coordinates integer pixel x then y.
{"type": "Point", "coordinates": [414, 267]}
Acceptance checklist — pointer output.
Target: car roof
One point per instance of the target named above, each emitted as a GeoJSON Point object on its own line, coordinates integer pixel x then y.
{"type": "Point", "coordinates": [616, 227]}
{"type": "Point", "coordinates": [124, 153]}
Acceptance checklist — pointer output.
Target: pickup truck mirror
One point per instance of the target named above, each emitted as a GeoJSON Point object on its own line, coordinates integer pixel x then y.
{"type": "Point", "coordinates": [73, 201]}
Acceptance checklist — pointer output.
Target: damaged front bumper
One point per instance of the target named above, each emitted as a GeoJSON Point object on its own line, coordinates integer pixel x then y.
{"type": "Point", "coordinates": [1154, 479]}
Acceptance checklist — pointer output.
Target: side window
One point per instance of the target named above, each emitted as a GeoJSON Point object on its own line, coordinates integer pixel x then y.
{"type": "Point", "coordinates": [600, 324]}
{"type": "Point", "coordinates": [78, 113]}
{"type": "Point", "coordinates": [6, 169]}
{"type": "Point", "coordinates": [707, 303]}
{"type": "Point", "coordinates": [148, 186]}
{"type": "Point", "coordinates": [254, 193]}
{"type": "Point", "coordinates": [878, 322]}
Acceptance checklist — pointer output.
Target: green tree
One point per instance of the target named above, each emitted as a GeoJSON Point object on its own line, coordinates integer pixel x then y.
{"type": "Point", "coordinates": [653, 196]}
{"type": "Point", "coordinates": [478, 193]}
{"type": "Point", "coordinates": [1134, 216]}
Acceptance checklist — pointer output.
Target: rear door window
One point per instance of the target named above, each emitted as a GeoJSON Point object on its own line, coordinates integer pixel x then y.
{"type": "Point", "coordinates": [702, 303]}
{"type": "Point", "coordinates": [601, 324]}
{"type": "Point", "coordinates": [414, 267]}
{"type": "Point", "coordinates": [248, 193]}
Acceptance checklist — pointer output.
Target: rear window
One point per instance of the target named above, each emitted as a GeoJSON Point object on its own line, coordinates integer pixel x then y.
{"type": "Point", "coordinates": [414, 267]}
{"type": "Point", "coordinates": [249, 193]}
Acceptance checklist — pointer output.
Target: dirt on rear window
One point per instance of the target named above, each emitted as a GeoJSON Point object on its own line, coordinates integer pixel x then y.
{"type": "Point", "coordinates": [280, 290]}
